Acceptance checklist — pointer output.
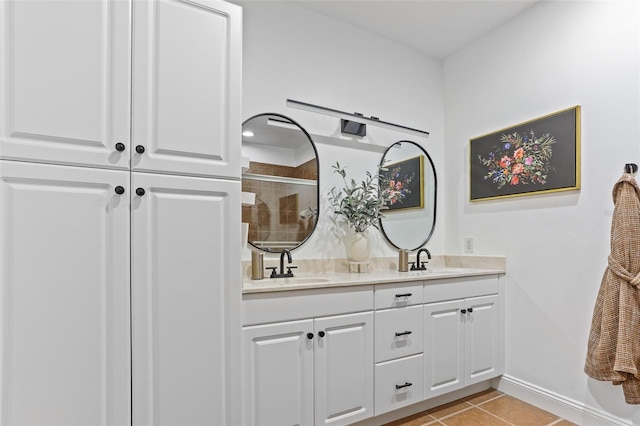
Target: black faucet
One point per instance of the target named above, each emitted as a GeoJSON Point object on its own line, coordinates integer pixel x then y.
{"type": "Point", "coordinates": [417, 265]}
{"type": "Point", "coordinates": [282, 274]}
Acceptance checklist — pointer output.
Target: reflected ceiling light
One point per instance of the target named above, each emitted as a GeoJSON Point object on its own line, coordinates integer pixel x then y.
{"type": "Point", "coordinates": [248, 134]}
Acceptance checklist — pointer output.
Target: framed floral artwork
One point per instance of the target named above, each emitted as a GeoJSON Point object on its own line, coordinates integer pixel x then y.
{"type": "Point", "coordinates": [405, 183]}
{"type": "Point", "coordinates": [537, 156]}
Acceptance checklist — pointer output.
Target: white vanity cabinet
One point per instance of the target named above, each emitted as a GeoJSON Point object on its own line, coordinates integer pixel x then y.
{"type": "Point", "coordinates": [119, 265]}
{"type": "Point", "coordinates": [313, 370]}
{"type": "Point", "coordinates": [462, 333]}
{"type": "Point", "coordinates": [399, 377]}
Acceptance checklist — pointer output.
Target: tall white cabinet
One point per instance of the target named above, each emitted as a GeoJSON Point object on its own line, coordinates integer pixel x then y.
{"type": "Point", "coordinates": [119, 212]}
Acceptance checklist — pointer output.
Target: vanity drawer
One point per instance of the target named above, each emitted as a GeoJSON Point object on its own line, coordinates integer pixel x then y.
{"type": "Point", "coordinates": [399, 383]}
{"type": "Point", "coordinates": [395, 296]}
{"type": "Point", "coordinates": [459, 288]}
{"type": "Point", "coordinates": [398, 332]}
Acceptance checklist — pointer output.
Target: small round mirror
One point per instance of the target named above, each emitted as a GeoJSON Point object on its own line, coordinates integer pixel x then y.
{"type": "Point", "coordinates": [283, 175]}
{"type": "Point", "coordinates": [410, 218]}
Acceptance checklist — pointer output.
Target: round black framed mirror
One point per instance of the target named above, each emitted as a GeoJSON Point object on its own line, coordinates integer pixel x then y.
{"type": "Point", "coordinates": [410, 218]}
{"type": "Point", "coordinates": [283, 175]}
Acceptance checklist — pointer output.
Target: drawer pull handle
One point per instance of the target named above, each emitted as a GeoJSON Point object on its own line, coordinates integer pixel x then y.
{"type": "Point", "coordinates": [406, 385]}
{"type": "Point", "coordinates": [403, 333]}
{"type": "Point", "coordinates": [404, 295]}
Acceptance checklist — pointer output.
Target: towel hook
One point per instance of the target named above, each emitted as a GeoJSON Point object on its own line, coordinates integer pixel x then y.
{"type": "Point", "coordinates": [631, 168]}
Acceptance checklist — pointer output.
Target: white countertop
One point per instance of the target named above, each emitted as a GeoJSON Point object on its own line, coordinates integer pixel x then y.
{"type": "Point", "coordinates": [305, 281]}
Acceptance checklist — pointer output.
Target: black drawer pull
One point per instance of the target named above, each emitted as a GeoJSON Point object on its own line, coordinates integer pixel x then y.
{"type": "Point", "coordinates": [406, 385]}
{"type": "Point", "coordinates": [403, 333]}
{"type": "Point", "coordinates": [404, 295]}
{"type": "Point", "coordinates": [463, 311]}
{"type": "Point", "coordinates": [470, 310]}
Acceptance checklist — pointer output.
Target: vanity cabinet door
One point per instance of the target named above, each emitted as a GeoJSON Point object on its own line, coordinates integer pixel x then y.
{"type": "Point", "coordinates": [344, 368]}
{"type": "Point", "coordinates": [64, 295]}
{"type": "Point", "coordinates": [187, 87]}
{"type": "Point", "coordinates": [277, 373]}
{"type": "Point", "coordinates": [482, 341]}
{"type": "Point", "coordinates": [185, 298]}
{"type": "Point", "coordinates": [444, 339]}
{"type": "Point", "coordinates": [64, 82]}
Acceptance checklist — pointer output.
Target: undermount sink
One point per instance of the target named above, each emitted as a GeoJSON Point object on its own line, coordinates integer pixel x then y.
{"type": "Point", "coordinates": [301, 280]}
{"type": "Point", "coordinates": [445, 270]}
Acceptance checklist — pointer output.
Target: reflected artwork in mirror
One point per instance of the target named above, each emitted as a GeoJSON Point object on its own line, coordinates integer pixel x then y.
{"type": "Point", "coordinates": [283, 175]}
{"type": "Point", "coordinates": [408, 169]}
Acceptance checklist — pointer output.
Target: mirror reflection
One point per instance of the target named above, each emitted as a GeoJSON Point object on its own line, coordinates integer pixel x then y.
{"type": "Point", "coordinates": [283, 175]}
{"type": "Point", "coordinates": [409, 171]}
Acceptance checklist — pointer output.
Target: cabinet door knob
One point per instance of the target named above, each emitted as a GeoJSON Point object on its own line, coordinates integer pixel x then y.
{"type": "Point", "coordinates": [309, 336]}
{"type": "Point", "coordinates": [119, 190]}
{"type": "Point", "coordinates": [140, 192]}
{"type": "Point", "coordinates": [464, 311]}
{"type": "Point", "coordinates": [321, 333]}
{"type": "Point", "coordinates": [470, 310]}
{"type": "Point", "coordinates": [139, 149]}
{"type": "Point", "coordinates": [406, 385]}
{"type": "Point", "coordinates": [120, 146]}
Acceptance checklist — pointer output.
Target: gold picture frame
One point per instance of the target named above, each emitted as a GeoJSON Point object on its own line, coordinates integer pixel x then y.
{"type": "Point", "coordinates": [537, 156]}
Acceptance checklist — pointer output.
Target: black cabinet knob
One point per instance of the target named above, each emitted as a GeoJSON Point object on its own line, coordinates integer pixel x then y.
{"type": "Point", "coordinates": [309, 336]}
{"type": "Point", "coordinates": [140, 192]}
{"type": "Point", "coordinates": [321, 333]}
{"type": "Point", "coordinates": [139, 149]}
{"type": "Point", "coordinates": [120, 147]}
{"type": "Point", "coordinates": [470, 310]}
{"type": "Point", "coordinates": [464, 311]}
{"type": "Point", "coordinates": [119, 190]}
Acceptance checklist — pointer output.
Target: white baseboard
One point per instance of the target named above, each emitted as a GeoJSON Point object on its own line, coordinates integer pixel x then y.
{"type": "Point", "coordinates": [560, 405]}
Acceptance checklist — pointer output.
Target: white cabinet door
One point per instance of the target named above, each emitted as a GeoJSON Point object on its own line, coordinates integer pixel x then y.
{"type": "Point", "coordinates": [444, 347]}
{"type": "Point", "coordinates": [64, 81]}
{"type": "Point", "coordinates": [277, 369]}
{"type": "Point", "coordinates": [64, 295]}
{"type": "Point", "coordinates": [187, 87]}
{"type": "Point", "coordinates": [344, 368]}
{"type": "Point", "coordinates": [186, 290]}
{"type": "Point", "coordinates": [482, 338]}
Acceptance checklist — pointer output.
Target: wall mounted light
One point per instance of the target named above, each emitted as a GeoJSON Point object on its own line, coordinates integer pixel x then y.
{"type": "Point", "coordinates": [374, 121]}
{"type": "Point", "coordinates": [353, 127]}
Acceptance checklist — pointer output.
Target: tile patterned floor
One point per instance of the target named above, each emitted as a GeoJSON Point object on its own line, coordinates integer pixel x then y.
{"type": "Point", "coordinates": [488, 408]}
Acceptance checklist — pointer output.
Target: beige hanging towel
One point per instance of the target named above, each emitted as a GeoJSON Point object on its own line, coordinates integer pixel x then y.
{"type": "Point", "coordinates": [613, 352]}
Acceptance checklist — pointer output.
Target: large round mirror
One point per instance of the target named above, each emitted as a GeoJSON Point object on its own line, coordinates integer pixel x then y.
{"type": "Point", "coordinates": [410, 218]}
{"type": "Point", "coordinates": [283, 175]}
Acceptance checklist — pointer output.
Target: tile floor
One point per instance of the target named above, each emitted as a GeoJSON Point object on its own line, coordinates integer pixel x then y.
{"type": "Point", "coordinates": [487, 408]}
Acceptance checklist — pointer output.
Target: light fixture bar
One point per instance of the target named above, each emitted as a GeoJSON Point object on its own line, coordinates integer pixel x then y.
{"type": "Point", "coordinates": [342, 114]}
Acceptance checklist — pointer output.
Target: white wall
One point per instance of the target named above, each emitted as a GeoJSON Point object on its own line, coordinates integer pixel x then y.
{"type": "Point", "coordinates": [291, 52]}
{"type": "Point", "coordinates": [554, 56]}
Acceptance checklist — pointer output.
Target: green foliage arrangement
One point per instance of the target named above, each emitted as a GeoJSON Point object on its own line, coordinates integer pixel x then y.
{"type": "Point", "coordinates": [359, 203]}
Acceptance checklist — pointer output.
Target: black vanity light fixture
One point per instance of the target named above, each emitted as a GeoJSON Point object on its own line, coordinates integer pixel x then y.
{"type": "Point", "coordinates": [348, 126]}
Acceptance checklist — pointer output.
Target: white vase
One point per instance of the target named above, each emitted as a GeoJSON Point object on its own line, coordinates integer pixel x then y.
{"type": "Point", "coordinates": [359, 249]}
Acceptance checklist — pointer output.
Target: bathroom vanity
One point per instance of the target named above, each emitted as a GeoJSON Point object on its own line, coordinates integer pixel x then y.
{"type": "Point", "coordinates": [340, 348]}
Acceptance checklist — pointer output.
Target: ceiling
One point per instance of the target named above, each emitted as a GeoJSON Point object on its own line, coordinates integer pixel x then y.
{"type": "Point", "coordinates": [438, 28]}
